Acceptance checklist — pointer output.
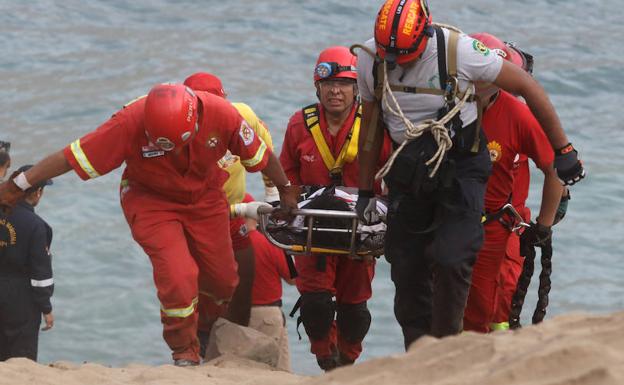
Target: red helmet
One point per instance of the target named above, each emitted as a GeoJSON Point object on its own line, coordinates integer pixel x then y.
{"type": "Point", "coordinates": [335, 62]}
{"type": "Point", "coordinates": [203, 81]}
{"type": "Point", "coordinates": [400, 29]}
{"type": "Point", "coordinates": [170, 115]}
{"type": "Point", "coordinates": [506, 50]}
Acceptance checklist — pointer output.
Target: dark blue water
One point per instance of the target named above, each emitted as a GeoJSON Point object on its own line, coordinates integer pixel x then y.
{"type": "Point", "coordinates": [66, 66]}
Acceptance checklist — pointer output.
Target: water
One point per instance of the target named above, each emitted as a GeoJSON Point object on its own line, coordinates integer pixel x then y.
{"type": "Point", "coordinates": [66, 66]}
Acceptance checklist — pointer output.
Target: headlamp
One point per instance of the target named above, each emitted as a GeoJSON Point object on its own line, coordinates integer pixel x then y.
{"type": "Point", "coordinates": [326, 70]}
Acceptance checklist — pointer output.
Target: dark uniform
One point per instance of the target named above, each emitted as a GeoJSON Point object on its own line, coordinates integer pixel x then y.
{"type": "Point", "coordinates": [26, 283]}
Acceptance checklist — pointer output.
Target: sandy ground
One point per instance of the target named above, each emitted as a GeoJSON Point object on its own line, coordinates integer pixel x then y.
{"type": "Point", "coordinates": [574, 349]}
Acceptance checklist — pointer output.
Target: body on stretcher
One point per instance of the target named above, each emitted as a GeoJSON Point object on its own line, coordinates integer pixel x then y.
{"type": "Point", "coordinates": [326, 223]}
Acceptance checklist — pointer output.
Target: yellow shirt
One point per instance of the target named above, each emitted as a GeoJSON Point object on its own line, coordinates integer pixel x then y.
{"type": "Point", "coordinates": [235, 186]}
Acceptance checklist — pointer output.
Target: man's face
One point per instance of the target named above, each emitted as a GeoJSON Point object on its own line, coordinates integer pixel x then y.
{"type": "Point", "coordinates": [336, 95]}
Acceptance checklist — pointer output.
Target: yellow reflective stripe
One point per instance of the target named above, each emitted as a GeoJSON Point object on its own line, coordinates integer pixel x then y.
{"type": "Point", "coordinates": [216, 300]}
{"type": "Point", "coordinates": [180, 312]}
{"type": "Point", "coordinates": [499, 326]}
{"type": "Point", "coordinates": [256, 158]}
{"type": "Point", "coordinates": [82, 160]}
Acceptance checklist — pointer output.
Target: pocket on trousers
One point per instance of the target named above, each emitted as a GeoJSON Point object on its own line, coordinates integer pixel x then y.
{"type": "Point", "coordinates": [472, 193]}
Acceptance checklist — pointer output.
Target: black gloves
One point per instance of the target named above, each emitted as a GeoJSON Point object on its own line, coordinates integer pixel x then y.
{"type": "Point", "coordinates": [568, 166]}
{"type": "Point", "coordinates": [366, 207]}
{"type": "Point", "coordinates": [537, 235]}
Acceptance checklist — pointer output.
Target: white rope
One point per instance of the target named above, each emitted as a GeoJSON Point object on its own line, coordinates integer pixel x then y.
{"type": "Point", "coordinates": [436, 127]}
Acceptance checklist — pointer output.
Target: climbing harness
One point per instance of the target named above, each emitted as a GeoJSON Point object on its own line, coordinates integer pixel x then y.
{"type": "Point", "coordinates": [348, 153]}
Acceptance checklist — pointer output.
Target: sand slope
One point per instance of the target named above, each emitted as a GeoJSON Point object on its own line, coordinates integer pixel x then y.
{"type": "Point", "coordinates": [568, 350]}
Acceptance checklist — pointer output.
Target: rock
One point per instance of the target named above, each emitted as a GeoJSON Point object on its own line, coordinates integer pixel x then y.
{"type": "Point", "coordinates": [227, 338]}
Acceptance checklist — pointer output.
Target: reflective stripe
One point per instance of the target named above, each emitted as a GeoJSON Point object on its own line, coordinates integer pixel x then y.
{"type": "Point", "coordinates": [42, 283]}
{"type": "Point", "coordinates": [256, 158]}
{"type": "Point", "coordinates": [82, 160]}
{"type": "Point", "coordinates": [499, 326]}
{"type": "Point", "coordinates": [180, 312]}
{"type": "Point", "coordinates": [216, 300]}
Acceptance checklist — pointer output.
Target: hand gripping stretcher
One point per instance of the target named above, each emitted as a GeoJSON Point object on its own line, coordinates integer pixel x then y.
{"type": "Point", "coordinates": [326, 223]}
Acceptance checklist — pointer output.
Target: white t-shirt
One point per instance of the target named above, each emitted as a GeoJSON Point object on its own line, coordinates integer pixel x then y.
{"type": "Point", "coordinates": [474, 63]}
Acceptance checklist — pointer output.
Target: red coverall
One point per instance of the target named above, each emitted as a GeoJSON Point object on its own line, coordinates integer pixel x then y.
{"type": "Point", "coordinates": [513, 262]}
{"type": "Point", "coordinates": [175, 208]}
{"type": "Point", "coordinates": [511, 130]}
{"type": "Point", "coordinates": [349, 280]}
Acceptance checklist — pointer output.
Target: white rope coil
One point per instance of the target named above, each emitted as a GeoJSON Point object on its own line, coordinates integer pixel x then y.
{"type": "Point", "coordinates": [436, 127]}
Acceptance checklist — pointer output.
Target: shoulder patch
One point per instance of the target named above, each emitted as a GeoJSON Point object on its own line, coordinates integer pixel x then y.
{"type": "Point", "coordinates": [480, 47]}
{"type": "Point", "coordinates": [246, 133]}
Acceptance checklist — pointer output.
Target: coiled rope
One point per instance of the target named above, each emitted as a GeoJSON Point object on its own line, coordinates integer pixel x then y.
{"type": "Point", "coordinates": [436, 127]}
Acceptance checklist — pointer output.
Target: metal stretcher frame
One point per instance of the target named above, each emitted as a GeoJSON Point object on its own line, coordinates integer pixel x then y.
{"type": "Point", "coordinates": [308, 248]}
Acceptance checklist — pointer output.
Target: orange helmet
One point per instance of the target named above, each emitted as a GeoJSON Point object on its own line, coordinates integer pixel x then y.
{"type": "Point", "coordinates": [401, 30]}
{"type": "Point", "coordinates": [204, 81]}
{"type": "Point", "coordinates": [506, 50]}
{"type": "Point", "coordinates": [335, 62]}
{"type": "Point", "coordinates": [170, 115]}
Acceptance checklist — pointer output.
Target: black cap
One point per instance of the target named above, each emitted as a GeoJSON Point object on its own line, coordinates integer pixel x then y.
{"type": "Point", "coordinates": [47, 182]}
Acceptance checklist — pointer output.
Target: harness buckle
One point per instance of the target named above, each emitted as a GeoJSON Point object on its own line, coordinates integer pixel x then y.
{"type": "Point", "coordinates": [451, 90]}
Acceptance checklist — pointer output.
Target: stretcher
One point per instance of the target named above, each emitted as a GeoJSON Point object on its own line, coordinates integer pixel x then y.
{"type": "Point", "coordinates": [326, 230]}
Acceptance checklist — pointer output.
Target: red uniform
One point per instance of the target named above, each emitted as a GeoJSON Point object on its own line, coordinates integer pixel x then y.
{"type": "Point", "coordinates": [511, 130]}
{"type": "Point", "coordinates": [346, 279]}
{"type": "Point", "coordinates": [271, 267]}
{"type": "Point", "coordinates": [513, 262]}
{"type": "Point", "coordinates": [175, 207]}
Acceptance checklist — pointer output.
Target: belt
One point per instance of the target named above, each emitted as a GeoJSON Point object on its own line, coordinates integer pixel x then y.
{"type": "Point", "coordinates": [277, 303]}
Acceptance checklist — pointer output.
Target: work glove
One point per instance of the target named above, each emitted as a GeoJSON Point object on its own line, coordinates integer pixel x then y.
{"type": "Point", "coordinates": [563, 207]}
{"type": "Point", "coordinates": [568, 166]}
{"type": "Point", "coordinates": [289, 197]}
{"type": "Point", "coordinates": [10, 194]}
{"type": "Point", "coordinates": [271, 195]}
{"type": "Point", "coordinates": [366, 207]}
{"type": "Point", "coordinates": [248, 210]}
{"type": "Point", "coordinates": [537, 235]}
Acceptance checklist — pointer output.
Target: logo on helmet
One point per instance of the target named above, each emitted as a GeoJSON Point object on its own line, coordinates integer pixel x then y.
{"type": "Point", "coordinates": [412, 13]}
{"type": "Point", "coordinates": [165, 143]}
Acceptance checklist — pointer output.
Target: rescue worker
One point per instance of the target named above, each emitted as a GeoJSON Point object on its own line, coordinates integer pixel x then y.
{"type": "Point", "coordinates": [271, 267]}
{"type": "Point", "coordinates": [320, 148]}
{"type": "Point", "coordinates": [511, 130]}
{"type": "Point", "coordinates": [26, 282]}
{"type": "Point", "coordinates": [412, 74]}
{"type": "Point", "coordinates": [171, 141]}
{"type": "Point", "coordinates": [234, 187]}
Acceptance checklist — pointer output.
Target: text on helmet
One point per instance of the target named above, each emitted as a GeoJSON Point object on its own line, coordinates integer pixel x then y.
{"type": "Point", "coordinates": [412, 13]}
{"type": "Point", "coordinates": [383, 16]}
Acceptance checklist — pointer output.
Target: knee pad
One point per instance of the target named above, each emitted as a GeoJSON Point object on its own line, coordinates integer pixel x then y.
{"type": "Point", "coordinates": [317, 313]}
{"type": "Point", "coordinates": [353, 321]}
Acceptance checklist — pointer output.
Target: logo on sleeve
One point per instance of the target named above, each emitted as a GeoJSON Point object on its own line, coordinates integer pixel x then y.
{"type": "Point", "coordinates": [480, 47]}
{"type": "Point", "coordinates": [496, 151]}
{"type": "Point", "coordinates": [246, 133]}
